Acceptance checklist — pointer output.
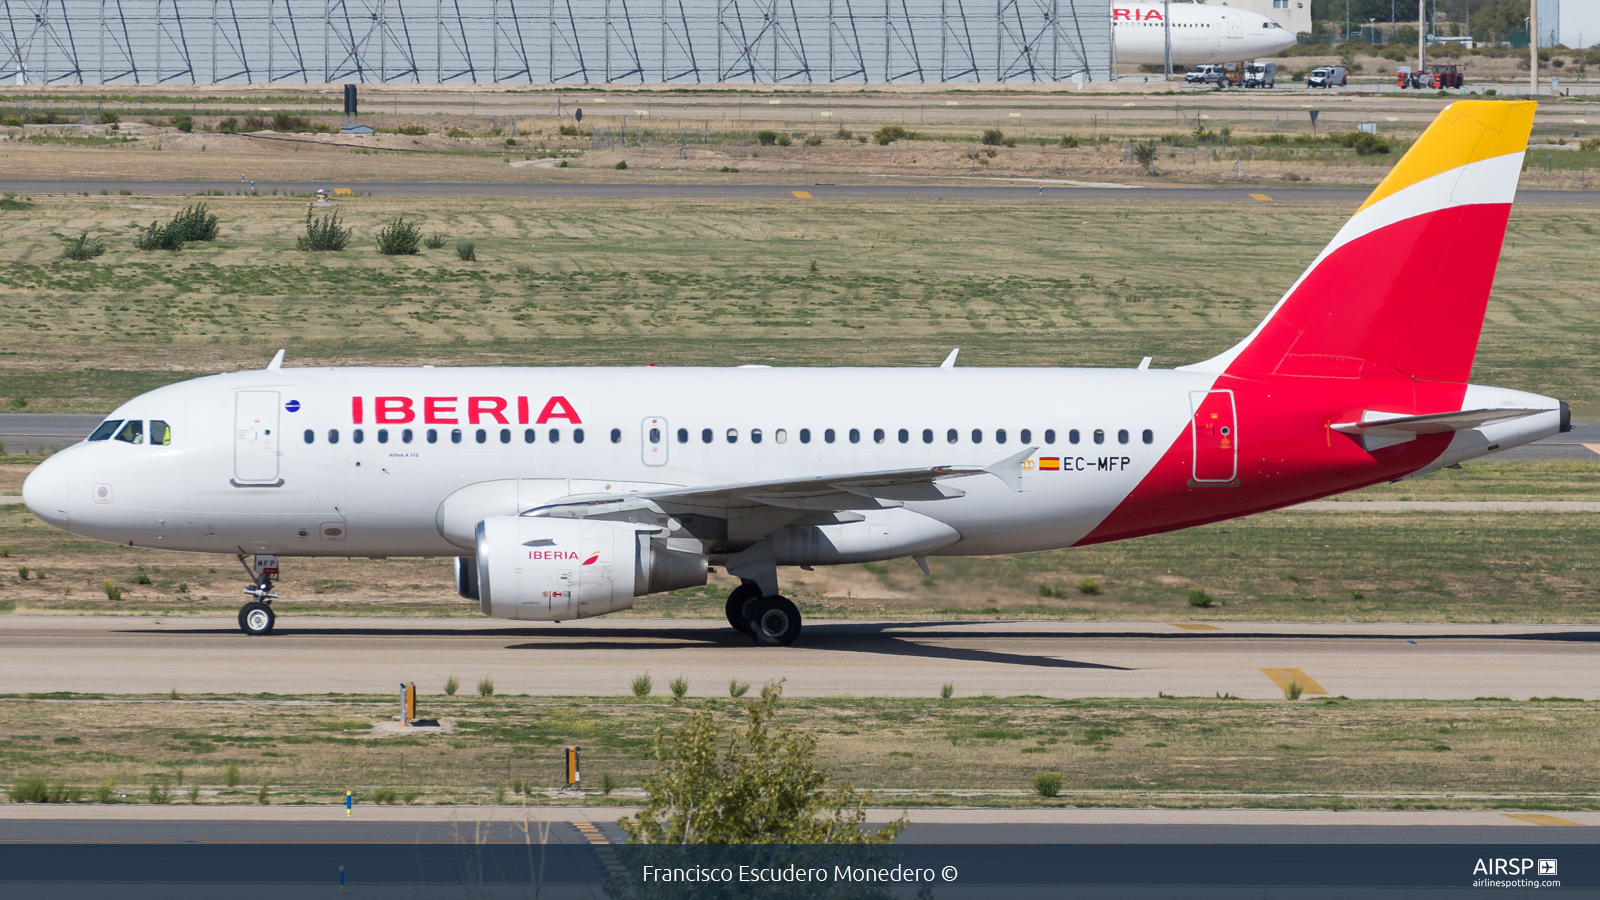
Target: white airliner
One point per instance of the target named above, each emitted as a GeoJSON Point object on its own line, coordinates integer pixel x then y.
{"type": "Point", "coordinates": [1201, 33]}
{"type": "Point", "coordinates": [569, 492]}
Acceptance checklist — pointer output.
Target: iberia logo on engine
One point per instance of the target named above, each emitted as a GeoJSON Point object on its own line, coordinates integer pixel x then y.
{"type": "Point", "coordinates": [555, 554]}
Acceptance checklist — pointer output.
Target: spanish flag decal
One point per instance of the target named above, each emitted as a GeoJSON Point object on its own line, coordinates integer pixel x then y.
{"type": "Point", "coordinates": [1049, 463]}
{"type": "Point", "coordinates": [591, 560]}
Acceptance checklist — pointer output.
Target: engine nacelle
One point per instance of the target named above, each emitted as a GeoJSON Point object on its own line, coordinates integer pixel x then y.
{"type": "Point", "coordinates": [549, 569]}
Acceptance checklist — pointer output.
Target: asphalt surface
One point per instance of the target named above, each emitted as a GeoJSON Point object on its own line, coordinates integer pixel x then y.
{"type": "Point", "coordinates": [313, 654]}
{"type": "Point", "coordinates": [27, 432]}
{"type": "Point", "coordinates": [976, 189]}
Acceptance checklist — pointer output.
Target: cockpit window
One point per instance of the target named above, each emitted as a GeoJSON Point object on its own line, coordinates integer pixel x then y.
{"type": "Point", "coordinates": [106, 430]}
{"type": "Point", "coordinates": [160, 433]}
{"type": "Point", "coordinates": [133, 432]}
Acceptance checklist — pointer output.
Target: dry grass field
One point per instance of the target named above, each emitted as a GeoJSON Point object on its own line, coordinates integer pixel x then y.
{"type": "Point", "coordinates": [1332, 753]}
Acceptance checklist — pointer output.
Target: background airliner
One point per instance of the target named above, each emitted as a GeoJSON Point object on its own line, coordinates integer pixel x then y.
{"type": "Point", "coordinates": [1201, 33]}
{"type": "Point", "coordinates": [569, 492]}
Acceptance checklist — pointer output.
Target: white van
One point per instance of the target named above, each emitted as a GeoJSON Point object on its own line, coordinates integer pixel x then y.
{"type": "Point", "coordinates": [1260, 75]}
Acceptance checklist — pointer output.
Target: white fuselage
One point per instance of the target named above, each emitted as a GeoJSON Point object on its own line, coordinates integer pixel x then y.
{"type": "Point", "coordinates": [1201, 33]}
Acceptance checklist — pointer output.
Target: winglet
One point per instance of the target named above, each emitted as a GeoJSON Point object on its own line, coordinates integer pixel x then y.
{"type": "Point", "coordinates": [950, 361]}
{"type": "Point", "coordinates": [1009, 469]}
{"type": "Point", "coordinates": [277, 362]}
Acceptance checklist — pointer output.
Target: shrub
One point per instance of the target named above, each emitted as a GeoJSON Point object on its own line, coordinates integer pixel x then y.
{"type": "Point", "coordinates": [412, 130]}
{"type": "Point", "coordinates": [888, 134]}
{"type": "Point", "coordinates": [194, 223]}
{"type": "Point", "coordinates": [141, 578]}
{"type": "Point", "coordinates": [230, 775]}
{"type": "Point", "coordinates": [385, 795]}
{"type": "Point", "coordinates": [784, 140]}
{"type": "Point", "coordinates": [568, 131]}
{"type": "Point", "coordinates": [458, 133]}
{"type": "Point", "coordinates": [229, 125]}
{"type": "Point", "coordinates": [435, 241]}
{"type": "Point", "coordinates": [947, 691]}
{"type": "Point", "coordinates": [511, 142]}
{"type": "Point", "coordinates": [727, 169]}
{"type": "Point", "coordinates": [183, 123]}
{"type": "Point", "coordinates": [31, 789]}
{"type": "Point", "coordinates": [813, 142]}
{"type": "Point", "coordinates": [399, 238]}
{"type": "Point", "coordinates": [608, 783]}
{"type": "Point", "coordinates": [737, 688]}
{"type": "Point", "coordinates": [760, 786]}
{"type": "Point", "coordinates": [106, 792]}
{"type": "Point", "coordinates": [22, 572]}
{"type": "Point", "coordinates": [1047, 784]}
{"type": "Point", "coordinates": [411, 796]}
{"type": "Point", "coordinates": [112, 591]}
{"type": "Point", "coordinates": [158, 794]}
{"type": "Point", "coordinates": [1144, 153]}
{"type": "Point", "coordinates": [621, 164]}
{"type": "Point", "coordinates": [992, 137]}
{"type": "Point", "coordinates": [107, 117]}
{"type": "Point", "coordinates": [1069, 141]}
{"type": "Point", "coordinates": [262, 797]}
{"type": "Point", "coordinates": [451, 685]}
{"type": "Point", "coordinates": [466, 251]}
{"type": "Point", "coordinates": [194, 793]}
{"type": "Point", "coordinates": [1088, 586]}
{"type": "Point", "coordinates": [486, 687]}
{"type": "Point", "coordinates": [1200, 598]}
{"type": "Point", "coordinates": [325, 233]}
{"type": "Point", "coordinates": [11, 121]}
{"type": "Point", "coordinates": [680, 687]}
{"type": "Point", "coordinates": [642, 685]}
{"type": "Point", "coordinates": [767, 138]}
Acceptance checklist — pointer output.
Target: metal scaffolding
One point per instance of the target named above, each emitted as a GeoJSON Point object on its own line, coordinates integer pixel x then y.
{"type": "Point", "coordinates": [552, 41]}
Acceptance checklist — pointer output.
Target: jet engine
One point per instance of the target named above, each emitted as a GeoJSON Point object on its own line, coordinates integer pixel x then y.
{"type": "Point", "coordinates": [548, 569]}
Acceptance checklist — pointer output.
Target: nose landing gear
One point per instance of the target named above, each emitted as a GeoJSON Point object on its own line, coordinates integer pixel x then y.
{"type": "Point", "coordinates": [257, 617]}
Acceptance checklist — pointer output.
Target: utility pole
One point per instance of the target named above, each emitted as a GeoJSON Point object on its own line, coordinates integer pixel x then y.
{"type": "Point", "coordinates": [1422, 36]}
{"type": "Point", "coordinates": [1533, 46]}
{"type": "Point", "coordinates": [1166, 34]}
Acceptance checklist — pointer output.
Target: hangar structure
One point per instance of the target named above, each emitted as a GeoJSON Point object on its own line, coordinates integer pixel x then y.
{"type": "Point", "coordinates": [674, 42]}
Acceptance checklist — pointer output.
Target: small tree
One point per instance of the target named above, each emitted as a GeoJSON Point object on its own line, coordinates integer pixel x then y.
{"type": "Point", "coordinates": [888, 134]}
{"type": "Point", "coordinates": [758, 787]}
{"type": "Point", "coordinates": [324, 233]}
{"type": "Point", "coordinates": [993, 137]}
{"type": "Point", "coordinates": [399, 238]}
{"type": "Point", "coordinates": [1145, 153]}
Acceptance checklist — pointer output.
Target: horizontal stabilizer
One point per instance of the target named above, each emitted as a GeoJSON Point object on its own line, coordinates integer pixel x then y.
{"type": "Point", "coordinates": [1390, 424]}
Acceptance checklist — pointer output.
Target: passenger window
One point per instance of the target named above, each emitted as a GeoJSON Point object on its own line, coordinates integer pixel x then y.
{"type": "Point", "coordinates": [877, 435]}
{"type": "Point", "coordinates": [1149, 437]}
{"type": "Point", "coordinates": [333, 435]}
{"type": "Point", "coordinates": [528, 435]}
{"type": "Point", "coordinates": [828, 435]}
{"type": "Point", "coordinates": [927, 435]}
{"type": "Point", "coordinates": [481, 435]}
{"type": "Point", "coordinates": [855, 435]}
{"type": "Point", "coordinates": [577, 435]}
{"type": "Point", "coordinates": [683, 435]}
{"type": "Point", "coordinates": [616, 435]}
{"type": "Point", "coordinates": [952, 436]}
{"type": "Point", "coordinates": [555, 435]}
{"type": "Point", "coordinates": [383, 435]}
{"type": "Point", "coordinates": [160, 433]}
{"type": "Point", "coordinates": [705, 436]}
{"type": "Point", "coordinates": [755, 435]}
{"type": "Point", "coordinates": [781, 436]}
{"type": "Point", "coordinates": [455, 435]}
{"type": "Point", "coordinates": [904, 435]}
{"type": "Point", "coordinates": [433, 435]}
{"type": "Point", "coordinates": [977, 435]}
{"type": "Point", "coordinates": [132, 433]}
{"type": "Point", "coordinates": [733, 435]}
{"type": "Point", "coordinates": [405, 436]}
{"type": "Point", "coordinates": [1049, 436]}
{"type": "Point", "coordinates": [1000, 436]}
{"type": "Point", "coordinates": [357, 435]}
{"type": "Point", "coordinates": [311, 436]}
{"type": "Point", "coordinates": [1099, 436]}
{"type": "Point", "coordinates": [1122, 436]}
{"type": "Point", "coordinates": [805, 435]}
{"type": "Point", "coordinates": [505, 435]}
{"type": "Point", "coordinates": [1027, 436]}
{"type": "Point", "coordinates": [1072, 436]}
{"type": "Point", "coordinates": [106, 430]}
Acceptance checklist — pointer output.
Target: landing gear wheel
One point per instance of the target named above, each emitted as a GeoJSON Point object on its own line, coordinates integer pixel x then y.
{"type": "Point", "coordinates": [256, 619]}
{"type": "Point", "coordinates": [774, 621]}
{"type": "Point", "coordinates": [737, 601]}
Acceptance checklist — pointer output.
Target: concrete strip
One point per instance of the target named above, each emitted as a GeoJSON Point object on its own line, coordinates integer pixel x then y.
{"type": "Point", "coordinates": [875, 815]}
{"type": "Point", "coordinates": [1450, 506]}
{"type": "Point", "coordinates": [599, 657]}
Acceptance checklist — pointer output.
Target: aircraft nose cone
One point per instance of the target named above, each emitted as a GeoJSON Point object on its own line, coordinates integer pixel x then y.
{"type": "Point", "coordinates": [45, 492]}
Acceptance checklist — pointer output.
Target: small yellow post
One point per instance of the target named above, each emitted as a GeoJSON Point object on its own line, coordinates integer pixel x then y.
{"type": "Point", "coordinates": [349, 800]}
{"type": "Point", "coordinates": [574, 774]}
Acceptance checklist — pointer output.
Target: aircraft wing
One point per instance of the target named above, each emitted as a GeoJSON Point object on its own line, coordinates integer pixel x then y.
{"type": "Point", "coordinates": [1393, 425]}
{"type": "Point", "coordinates": [845, 491]}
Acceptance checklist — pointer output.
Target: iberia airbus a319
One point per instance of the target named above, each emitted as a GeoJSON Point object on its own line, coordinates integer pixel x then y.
{"type": "Point", "coordinates": [570, 492]}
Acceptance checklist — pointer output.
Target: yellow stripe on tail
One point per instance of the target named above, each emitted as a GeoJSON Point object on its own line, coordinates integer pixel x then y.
{"type": "Point", "coordinates": [1464, 132]}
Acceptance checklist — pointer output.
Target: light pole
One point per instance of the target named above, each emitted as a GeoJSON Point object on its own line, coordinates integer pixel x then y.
{"type": "Point", "coordinates": [1166, 36]}
{"type": "Point", "coordinates": [1533, 46]}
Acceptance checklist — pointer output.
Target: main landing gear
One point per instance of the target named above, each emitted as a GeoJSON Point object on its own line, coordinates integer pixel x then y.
{"type": "Point", "coordinates": [257, 617]}
{"type": "Point", "coordinates": [771, 621]}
